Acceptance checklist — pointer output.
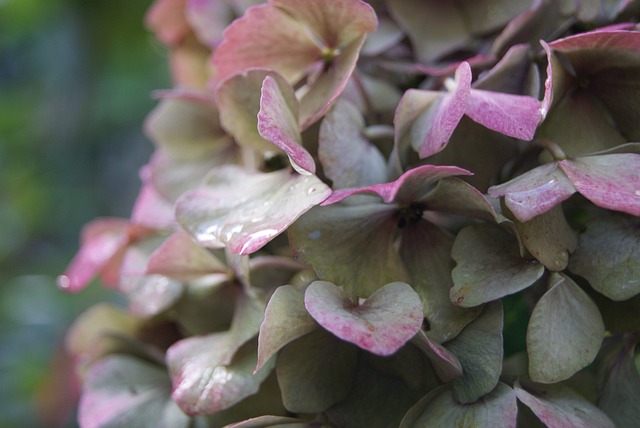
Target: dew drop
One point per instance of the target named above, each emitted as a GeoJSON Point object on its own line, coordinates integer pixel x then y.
{"type": "Point", "coordinates": [63, 282]}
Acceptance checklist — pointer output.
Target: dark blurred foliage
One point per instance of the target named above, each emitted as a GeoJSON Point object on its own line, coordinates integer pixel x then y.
{"type": "Point", "coordinates": [76, 79]}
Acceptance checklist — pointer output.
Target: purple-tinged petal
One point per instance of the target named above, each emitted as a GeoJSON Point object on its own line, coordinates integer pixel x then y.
{"type": "Point", "coordinates": [244, 211]}
{"type": "Point", "coordinates": [278, 123]}
{"type": "Point", "coordinates": [181, 258]}
{"type": "Point", "coordinates": [101, 241]}
{"type": "Point", "coordinates": [609, 181]}
{"type": "Point", "coordinates": [347, 157]}
{"type": "Point", "coordinates": [444, 120]}
{"type": "Point", "coordinates": [387, 320]}
{"type": "Point", "coordinates": [535, 191]}
{"type": "Point", "coordinates": [513, 115]}
{"type": "Point", "coordinates": [268, 421]}
{"type": "Point", "coordinates": [409, 187]}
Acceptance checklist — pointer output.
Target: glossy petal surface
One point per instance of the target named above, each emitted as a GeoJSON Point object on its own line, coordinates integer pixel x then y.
{"type": "Point", "coordinates": [244, 211]}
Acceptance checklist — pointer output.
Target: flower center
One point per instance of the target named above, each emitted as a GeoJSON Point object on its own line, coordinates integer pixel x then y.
{"type": "Point", "coordinates": [410, 214]}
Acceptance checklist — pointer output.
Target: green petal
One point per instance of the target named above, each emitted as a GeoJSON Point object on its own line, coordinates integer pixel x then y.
{"type": "Point", "coordinates": [564, 333]}
{"type": "Point", "coordinates": [479, 349]}
{"type": "Point", "coordinates": [489, 266]}
{"type": "Point", "coordinates": [315, 372]}
{"type": "Point", "coordinates": [608, 256]}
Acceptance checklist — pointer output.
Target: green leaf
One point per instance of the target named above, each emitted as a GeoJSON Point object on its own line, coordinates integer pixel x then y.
{"type": "Point", "coordinates": [479, 349]}
{"type": "Point", "coordinates": [559, 406]}
{"type": "Point", "coordinates": [608, 256]}
{"type": "Point", "coordinates": [425, 250]}
{"type": "Point", "coordinates": [349, 245]}
{"type": "Point", "coordinates": [564, 333]}
{"type": "Point", "coordinates": [619, 381]}
{"type": "Point", "coordinates": [123, 391]}
{"type": "Point", "coordinates": [285, 319]}
{"type": "Point", "coordinates": [315, 372]}
{"type": "Point", "coordinates": [439, 408]}
{"type": "Point", "coordinates": [381, 324]}
{"type": "Point", "coordinates": [489, 266]}
{"type": "Point", "coordinates": [549, 238]}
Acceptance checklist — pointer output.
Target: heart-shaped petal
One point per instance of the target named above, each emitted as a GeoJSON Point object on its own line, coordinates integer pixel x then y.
{"type": "Point", "coordinates": [381, 325]}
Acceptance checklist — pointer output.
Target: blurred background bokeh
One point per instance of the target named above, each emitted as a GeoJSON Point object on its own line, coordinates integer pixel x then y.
{"type": "Point", "coordinates": [76, 78]}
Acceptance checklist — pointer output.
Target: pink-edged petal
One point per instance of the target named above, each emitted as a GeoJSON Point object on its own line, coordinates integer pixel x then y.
{"type": "Point", "coordinates": [444, 120]}
{"type": "Point", "coordinates": [283, 45]}
{"type": "Point", "coordinates": [446, 365]}
{"type": "Point", "coordinates": [238, 98]}
{"type": "Point", "coordinates": [535, 191]}
{"type": "Point", "coordinates": [101, 240]}
{"type": "Point", "coordinates": [180, 257]}
{"type": "Point", "coordinates": [210, 373]}
{"type": "Point", "coordinates": [387, 320]}
{"type": "Point", "coordinates": [409, 187]}
{"type": "Point", "coordinates": [278, 123]}
{"type": "Point", "coordinates": [347, 157]}
{"type": "Point", "coordinates": [243, 211]}
{"type": "Point", "coordinates": [513, 115]}
{"type": "Point", "coordinates": [167, 20]}
{"type": "Point", "coordinates": [609, 181]}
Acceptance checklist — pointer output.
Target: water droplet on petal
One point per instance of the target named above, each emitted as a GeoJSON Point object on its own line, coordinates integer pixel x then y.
{"type": "Point", "coordinates": [63, 282]}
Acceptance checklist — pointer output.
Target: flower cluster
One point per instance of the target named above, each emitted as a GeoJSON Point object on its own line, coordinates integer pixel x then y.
{"type": "Point", "coordinates": [351, 205]}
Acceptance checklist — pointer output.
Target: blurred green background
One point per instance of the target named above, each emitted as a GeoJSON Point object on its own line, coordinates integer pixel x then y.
{"type": "Point", "coordinates": [76, 78]}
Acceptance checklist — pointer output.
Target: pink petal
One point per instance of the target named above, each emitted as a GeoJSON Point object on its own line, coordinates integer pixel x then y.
{"type": "Point", "coordinates": [283, 45]}
{"type": "Point", "coordinates": [408, 188]}
{"type": "Point", "coordinates": [209, 18]}
{"type": "Point", "coordinates": [513, 115]}
{"type": "Point", "coordinates": [609, 181]}
{"type": "Point", "coordinates": [166, 19]}
{"type": "Point", "coordinates": [278, 123]}
{"type": "Point", "coordinates": [534, 192]}
{"type": "Point", "coordinates": [181, 258]}
{"type": "Point", "coordinates": [449, 112]}
{"type": "Point", "coordinates": [387, 320]}
{"type": "Point", "coordinates": [102, 239]}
